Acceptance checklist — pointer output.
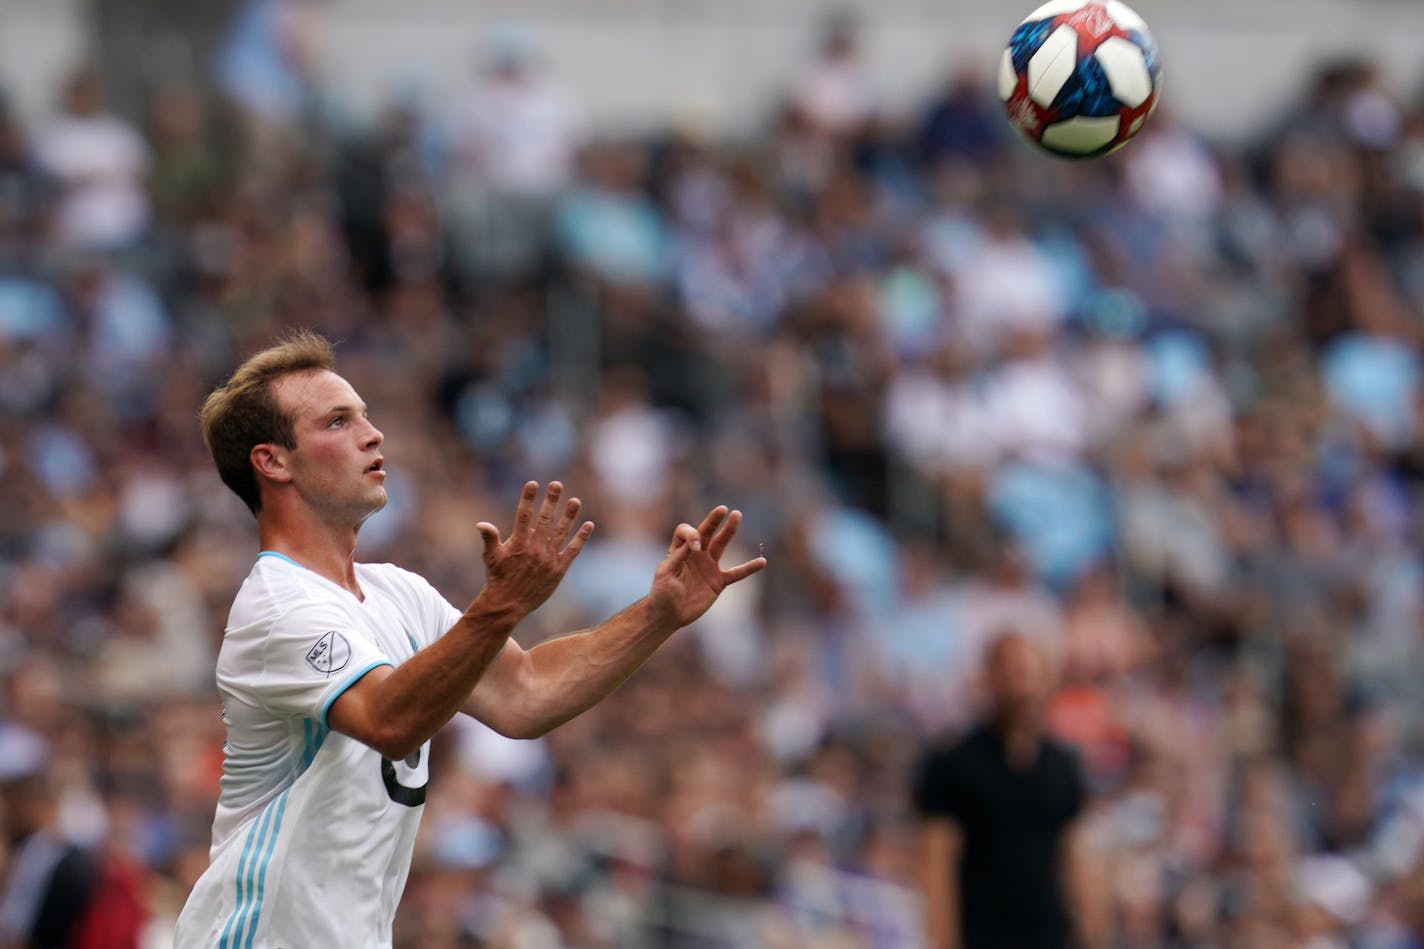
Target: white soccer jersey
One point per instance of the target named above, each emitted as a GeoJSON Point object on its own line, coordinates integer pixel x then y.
{"type": "Point", "coordinates": [314, 830]}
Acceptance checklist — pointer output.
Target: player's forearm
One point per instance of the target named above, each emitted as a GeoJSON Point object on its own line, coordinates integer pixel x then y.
{"type": "Point", "coordinates": [420, 696]}
{"type": "Point", "coordinates": [939, 845]}
{"type": "Point", "coordinates": [940, 890]}
{"type": "Point", "coordinates": [1085, 897]}
{"type": "Point", "coordinates": [564, 677]}
{"type": "Point", "coordinates": [946, 926]}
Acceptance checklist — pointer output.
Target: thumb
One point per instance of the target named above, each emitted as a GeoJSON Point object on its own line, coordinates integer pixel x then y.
{"type": "Point", "coordinates": [685, 536]}
{"type": "Point", "coordinates": [676, 556]}
{"type": "Point", "coordinates": [490, 535]}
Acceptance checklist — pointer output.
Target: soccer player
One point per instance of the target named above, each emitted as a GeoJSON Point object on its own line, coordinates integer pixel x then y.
{"type": "Point", "coordinates": [334, 675]}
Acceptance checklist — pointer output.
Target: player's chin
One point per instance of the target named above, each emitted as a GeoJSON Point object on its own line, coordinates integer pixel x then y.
{"type": "Point", "coordinates": [375, 500]}
{"type": "Point", "coordinates": [368, 509]}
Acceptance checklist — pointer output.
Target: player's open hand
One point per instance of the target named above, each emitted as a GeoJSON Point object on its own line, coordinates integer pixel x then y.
{"type": "Point", "coordinates": [690, 578]}
{"type": "Point", "coordinates": [522, 571]}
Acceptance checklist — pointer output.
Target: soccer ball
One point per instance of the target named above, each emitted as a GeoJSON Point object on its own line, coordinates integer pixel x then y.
{"type": "Point", "coordinates": [1080, 77]}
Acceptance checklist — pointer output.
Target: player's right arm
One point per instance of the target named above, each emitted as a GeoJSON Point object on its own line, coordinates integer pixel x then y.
{"type": "Point", "coordinates": [940, 842]}
{"type": "Point", "coordinates": [396, 710]}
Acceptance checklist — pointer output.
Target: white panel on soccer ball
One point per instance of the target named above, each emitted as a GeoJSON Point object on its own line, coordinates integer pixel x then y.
{"type": "Point", "coordinates": [1125, 16]}
{"type": "Point", "coordinates": [1136, 125]}
{"type": "Point", "coordinates": [1126, 69]}
{"type": "Point", "coordinates": [1082, 135]}
{"type": "Point", "coordinates": [1054, 8]}
{"type": "Point", "coordinates": [1008, 79]}
{"type": "Point", "coordinates": [1052, 65]}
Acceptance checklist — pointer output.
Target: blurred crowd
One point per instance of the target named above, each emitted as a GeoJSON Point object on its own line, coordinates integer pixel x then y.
{"type": "Point", "coordinates": [1159, 412]}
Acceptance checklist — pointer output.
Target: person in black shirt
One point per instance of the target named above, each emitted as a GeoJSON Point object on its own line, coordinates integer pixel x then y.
{"type": "Point", "coordinates": [998, 811]}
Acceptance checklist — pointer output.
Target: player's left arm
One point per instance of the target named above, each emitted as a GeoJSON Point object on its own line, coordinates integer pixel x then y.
{"type": "Point", "coordinates": [527, 692]}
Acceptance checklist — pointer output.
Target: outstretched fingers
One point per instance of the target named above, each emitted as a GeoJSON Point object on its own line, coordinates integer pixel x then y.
{"type": "Point", "coordinates": [742, 571]}
{"type": "Point", "coordinates": [580, 538]}
{"type": "Point", "coordinates": [544, 526]}
{"type": "Point", "coordinates": [549, 528]}
{"type": "Point", "coordinates": [717, 543]}
{"type": "Point", "coordinates": [709, 524]}
{"type": "Point", "coordinates": [524, 513]}
{"type": "Point", "coordinates": [565, 523]}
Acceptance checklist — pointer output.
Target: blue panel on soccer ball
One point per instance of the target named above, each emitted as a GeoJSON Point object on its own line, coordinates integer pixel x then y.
{"type": "Point", "coordinates": [1149, 53]}
{"type": "Point", "coordinates": [1088, 92]}
{"type": "Point", "coordinates": [1026, 41]}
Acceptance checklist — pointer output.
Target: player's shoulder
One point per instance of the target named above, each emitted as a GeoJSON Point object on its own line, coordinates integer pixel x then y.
{"type": "Point", "coordinates": [962, 749]}
{"type": "Point", "coordinates": [1061, 753]}
{"type": "Point", "coordinates": [277, 585]}
{"type": "Point", "coordinates": [945, 748]}
{"type": "Point", "coordinates": [391, 578]}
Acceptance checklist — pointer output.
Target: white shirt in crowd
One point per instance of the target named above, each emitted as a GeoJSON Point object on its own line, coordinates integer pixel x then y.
{"type": "Point", "coordinates": [517, 134]}
{"type": "Point", "coordinates": [99, 162]}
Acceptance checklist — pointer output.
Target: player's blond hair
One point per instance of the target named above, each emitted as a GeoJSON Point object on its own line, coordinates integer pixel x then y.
{"type": "Point", "coordinates": [243, 411]}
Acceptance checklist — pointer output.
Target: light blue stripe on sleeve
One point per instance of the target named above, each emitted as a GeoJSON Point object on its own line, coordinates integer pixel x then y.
{"type": "Point", "coordinates": [355, 677]}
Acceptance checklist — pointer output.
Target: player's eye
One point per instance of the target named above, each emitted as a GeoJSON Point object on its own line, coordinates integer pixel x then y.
{"type": "Point", "coordinates": [336, 422]}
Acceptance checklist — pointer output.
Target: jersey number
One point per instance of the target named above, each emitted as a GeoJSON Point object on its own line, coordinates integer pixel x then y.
{"type": "Point", "coordinates": [402, 793]}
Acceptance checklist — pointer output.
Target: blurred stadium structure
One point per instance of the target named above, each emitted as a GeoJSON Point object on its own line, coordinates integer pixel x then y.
{"type": "Point", "coordinates": [642, 62]}
{"type": "Point", "coordinates": [1161, 412]}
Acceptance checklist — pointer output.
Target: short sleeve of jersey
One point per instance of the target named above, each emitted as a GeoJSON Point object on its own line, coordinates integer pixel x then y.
{"type": "Point", "coordinates": [1076, 797]}
{"type": "Point", "coordinates": [937, 790]}
{"type": "Point", "coordinates": [310, 656]}
{"type": "Point", "coordinates": [425, 614]}
{"type": "Point", "coordinates": [437, 613]}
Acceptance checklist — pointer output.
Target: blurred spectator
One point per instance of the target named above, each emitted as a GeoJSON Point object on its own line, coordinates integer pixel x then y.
{"type": "Point", "coordinates": [189, 174]}
{"type": "Point", "coordinates": [1003, 282]}
{"type": "Point", "coordinates": [1000, 862]}
{"type": "Point", "coordinates": [608, 227]}
{"type": "Point", "coordinates": [99, 163]}
{"type": "Point", "coordinates": [512, 144]}
{"type": "Point", "coordinates": [834, 92]}
{"type": "Point", "coordinates": [57, 894]}
{"type": "Point", "coordinates": [22, 190]}
{"type": "Point", "coordinates": [963, 122]}
{"type": "Point", "coordinates": [1173, 172]}
{"type": "Point", "coordinates": [267, 64]}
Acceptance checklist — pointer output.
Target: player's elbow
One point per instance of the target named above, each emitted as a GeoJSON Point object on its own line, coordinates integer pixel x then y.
{"type": "Point", "coordinates": [398, 752]}
{"type": "Point", "coordinates": [395, 744]}
{"type": "Point", "coordinates": [395, 740]}
{"type": "Point", "coordinates": [516, 703]}
{"type": "Point", "coordinates": [515, 725]}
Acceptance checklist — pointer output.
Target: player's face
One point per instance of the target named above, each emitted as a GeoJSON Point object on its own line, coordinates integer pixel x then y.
{"type": "Point", "coordinates": [337, 466]}
{"type": "Point", "coordinates": [1018, 675]}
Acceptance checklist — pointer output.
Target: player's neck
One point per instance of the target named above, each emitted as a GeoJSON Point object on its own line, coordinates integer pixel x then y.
{"type": "Point", "coordinates": [1020, 736]}
{"type": "Point", "coordinates": [324, 549]}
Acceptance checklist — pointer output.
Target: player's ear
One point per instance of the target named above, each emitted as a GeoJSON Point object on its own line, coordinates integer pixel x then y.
{"type": "Point", "coordinates": [271, 462]}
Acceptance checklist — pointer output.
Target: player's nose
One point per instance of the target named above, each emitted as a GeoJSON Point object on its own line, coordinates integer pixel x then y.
{"type": "Point", "coordinates": [373, 437]}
